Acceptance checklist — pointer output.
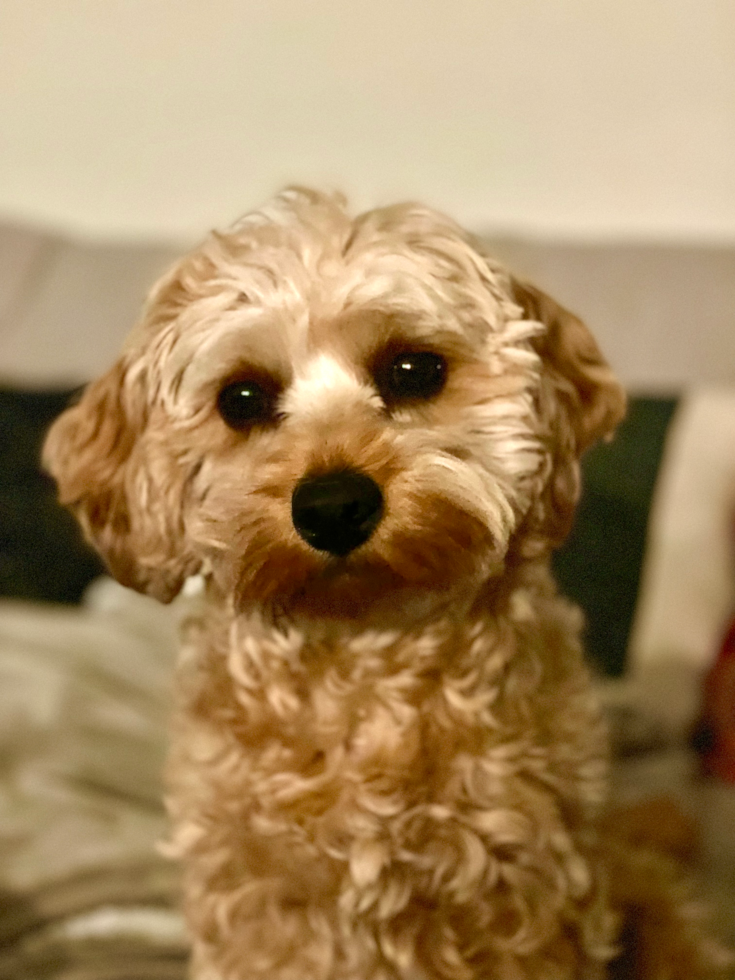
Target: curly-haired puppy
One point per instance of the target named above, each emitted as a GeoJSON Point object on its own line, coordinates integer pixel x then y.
{"type": "Point", "coordinates": [388, 758]}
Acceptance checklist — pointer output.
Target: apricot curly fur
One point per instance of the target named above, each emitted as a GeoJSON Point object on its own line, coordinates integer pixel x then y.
{"type": "Point", "coordinates": [390, 763]}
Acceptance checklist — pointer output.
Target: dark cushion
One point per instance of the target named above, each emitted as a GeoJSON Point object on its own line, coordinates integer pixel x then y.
{"type": "Point", "coordinates": [42, 554]}
{"type": "Point", "coordinates": [600, 564]}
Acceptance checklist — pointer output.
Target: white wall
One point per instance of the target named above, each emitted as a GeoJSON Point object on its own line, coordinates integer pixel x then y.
{"type": "Point", "coordinates": [574, 117]}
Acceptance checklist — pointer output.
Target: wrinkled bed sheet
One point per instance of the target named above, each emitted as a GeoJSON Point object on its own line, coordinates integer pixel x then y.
{"type": "Point", "coordinates": [84, 701]}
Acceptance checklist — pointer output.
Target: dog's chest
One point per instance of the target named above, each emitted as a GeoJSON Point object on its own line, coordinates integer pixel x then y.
{"type": "Point", "coordinates": [390, 739]}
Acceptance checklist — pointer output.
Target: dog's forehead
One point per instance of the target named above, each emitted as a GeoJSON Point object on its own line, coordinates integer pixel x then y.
{"type": "Point", "coordinates": [300, 308]}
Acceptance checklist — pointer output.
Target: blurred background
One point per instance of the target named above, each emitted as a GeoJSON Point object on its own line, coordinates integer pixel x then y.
{"type": "Point", "coordinates": [591, 142]}
{"type": "Point", "coordinates": [546, 122]}
{"type": "Point", "coordinates": [577, 118]}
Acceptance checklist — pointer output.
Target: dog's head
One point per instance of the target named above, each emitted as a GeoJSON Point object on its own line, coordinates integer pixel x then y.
{"type": "Point", "coordinates": [325, 413]}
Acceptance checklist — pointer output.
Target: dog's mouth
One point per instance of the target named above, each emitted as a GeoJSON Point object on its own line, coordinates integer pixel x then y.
{"type": "Point", "coordinates": [292, 581]}
{"type": "Point", "coordinates": [344, 590]}
{"type": "Point", "coordinates": [352, 555]}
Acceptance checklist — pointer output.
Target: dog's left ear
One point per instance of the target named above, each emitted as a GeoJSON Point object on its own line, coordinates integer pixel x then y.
{"type": "Point", "coordinates": [581, 401]}
{"type": "Point", "coordinates": [593, 398]}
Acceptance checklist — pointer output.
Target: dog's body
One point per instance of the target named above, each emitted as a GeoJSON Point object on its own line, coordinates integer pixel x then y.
{"type": "Point", "coordinates": [389, 760]}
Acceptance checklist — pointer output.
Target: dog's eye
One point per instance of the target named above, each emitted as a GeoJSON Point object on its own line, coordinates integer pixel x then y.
{"type": "Point", "coordinates": [247, 402]}
{"type": "Point", "coordinates": [414, 375]}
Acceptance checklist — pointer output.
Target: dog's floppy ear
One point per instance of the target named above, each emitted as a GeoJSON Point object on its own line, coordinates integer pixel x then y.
{"type": "Point", "coordinates": [594, 399]}
{"type": "Point", "coordinates": [581, 402]}
{"type": "Point", "coordinates": [98, 451]}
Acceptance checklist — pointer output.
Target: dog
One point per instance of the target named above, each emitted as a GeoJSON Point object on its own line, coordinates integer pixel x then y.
{"type": "Point", "coordinates": [388, 757]}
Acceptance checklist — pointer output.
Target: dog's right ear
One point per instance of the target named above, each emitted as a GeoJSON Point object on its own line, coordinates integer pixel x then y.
{"type": "Point", "coordinates": [96, 452]}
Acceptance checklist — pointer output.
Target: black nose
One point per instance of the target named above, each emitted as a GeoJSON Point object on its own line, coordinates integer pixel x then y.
{"type": "Point", "coordinates": [336, 512]}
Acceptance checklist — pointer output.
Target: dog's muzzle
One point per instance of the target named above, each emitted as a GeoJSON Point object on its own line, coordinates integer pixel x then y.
{"type": "Point", "coordinates": [337, 512]}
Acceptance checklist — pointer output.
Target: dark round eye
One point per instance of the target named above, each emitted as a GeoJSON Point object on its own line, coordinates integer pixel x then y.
{"type": "Point", "coordinates": [415, 375]}
{"type": "Point", "coordinates": [245, 403]}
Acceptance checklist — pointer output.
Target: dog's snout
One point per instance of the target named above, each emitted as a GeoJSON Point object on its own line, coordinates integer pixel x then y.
{"type": "Point", "coordinates": [336, 512]}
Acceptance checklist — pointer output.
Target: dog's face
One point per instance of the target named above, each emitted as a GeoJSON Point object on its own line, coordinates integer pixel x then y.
{"type": "Point", "coordinates": [328, 414]}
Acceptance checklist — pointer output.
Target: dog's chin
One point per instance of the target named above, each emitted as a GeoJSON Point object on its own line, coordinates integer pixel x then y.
{"type": "Point", "coordinates": [367, 586]}
{"type": "Point", "coordinates": [359, 591]}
